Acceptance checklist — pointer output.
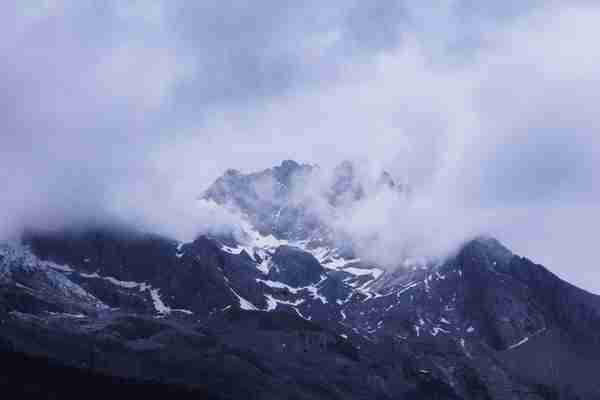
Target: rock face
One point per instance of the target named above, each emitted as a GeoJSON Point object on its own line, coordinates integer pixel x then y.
{"type": "Point", "coordinates": [294, 201]}
{"type": "Point", "coordinates": [295, 267]}
{"type": "Point", "coordinates": [278, 317]}
{"type": "Point", "coordinates": [271, 199]}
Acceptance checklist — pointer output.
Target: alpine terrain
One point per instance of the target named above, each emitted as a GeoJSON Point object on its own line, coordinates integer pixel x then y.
{"type": "Point", "coordinates": [285, 307]}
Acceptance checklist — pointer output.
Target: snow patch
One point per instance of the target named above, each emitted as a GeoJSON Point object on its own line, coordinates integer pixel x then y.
{"type": "Point", "coordinates": [375, 272]}
{"type": "Point", "coordinates": [525, 339]}
{"type": "Point", "coordinates": [407, 287]}
{"type": "Point", "coordinates": [159, 305]}
{"type": "Point", "coordinates": [264, 266]}
{"type": "Point", "coordinates": [313, 289]}
{"type": "Point", "coordinates": [179, 253]}
{"type": "Point", "coordinates": [66, 315]}
{"type": "Point", "coordinates": [244, 304]}
{"type": "Point", "coordinates": [272, 302]}
{"type": "Point", "coordinates": [436, 329]}
{"type": "Point", "coordinates": [301, 315]}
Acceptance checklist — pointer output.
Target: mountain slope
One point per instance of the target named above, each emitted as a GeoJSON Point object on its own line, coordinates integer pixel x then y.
{"type": "Point", "coordinates": [287, 316]}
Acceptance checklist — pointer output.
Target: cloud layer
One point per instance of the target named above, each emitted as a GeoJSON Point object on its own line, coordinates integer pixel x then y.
{"type": "Point", "coordinates": [128, 110]}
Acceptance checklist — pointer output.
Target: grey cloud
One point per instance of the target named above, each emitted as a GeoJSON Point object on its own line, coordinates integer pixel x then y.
{"type": "Point", "coordinates": [129, 109]}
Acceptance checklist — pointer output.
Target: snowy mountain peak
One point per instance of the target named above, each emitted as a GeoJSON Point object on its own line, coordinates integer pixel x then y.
{"type": "Point", "coordinates": [296, 201]}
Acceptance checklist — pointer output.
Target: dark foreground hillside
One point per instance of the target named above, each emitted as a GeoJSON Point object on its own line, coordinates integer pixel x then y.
{"type": "Point", "coordinates": [32, 377]}
{"type": "Point", "coordinates": [29, 377]}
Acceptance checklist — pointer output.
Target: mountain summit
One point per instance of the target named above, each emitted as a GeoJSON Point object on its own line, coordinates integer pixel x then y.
{"type": "Point", "coordinates": [298, 202]}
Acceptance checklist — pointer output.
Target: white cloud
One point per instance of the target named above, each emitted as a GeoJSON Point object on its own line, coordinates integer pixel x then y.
{"type": "Point", "coordinates": [130, 109]}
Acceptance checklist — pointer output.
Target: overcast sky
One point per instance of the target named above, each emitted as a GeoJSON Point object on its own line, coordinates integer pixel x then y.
{"type": "Point", "coordinates": [131, 108]}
